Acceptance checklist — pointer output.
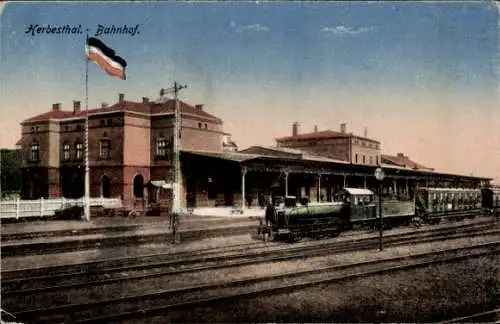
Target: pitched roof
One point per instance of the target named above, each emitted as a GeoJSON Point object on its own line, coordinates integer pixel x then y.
{"type": "Point", "coordinates": [313, 135]}
{"type": "Point", "coordinates": [150, 108]}
{"type": "Point", "coordinates": [403, 161]}
{"type": "Point", "coordinates": [231, 156]}
{"type": "Point", "coordinates": [321, 135]}
{"type": "Point", "coordinates": [289, 153]}
{"type": "Point", "coordinates": [55, 114]}
{"type": "Point", "coordinates": [20, 142]}
{"type": "Point", "coordinates": [169, 107]}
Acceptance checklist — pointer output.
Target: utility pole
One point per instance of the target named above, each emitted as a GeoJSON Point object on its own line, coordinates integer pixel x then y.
{"type": "Point", "coordinates": [380, 175]}
{"type": "Point", "coordinates": [176, 201]}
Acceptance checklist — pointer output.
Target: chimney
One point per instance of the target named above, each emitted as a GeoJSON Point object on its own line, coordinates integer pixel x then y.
{"type": "Point", "coordinates": [295, 129]}
{"type": "Point", "coordinates": [104, 105]}
{"type": "Point", "coordinates": [56, 107]}
{"type": "Point", "coordinates": [315, 129]}
{"type": "Point", "coordinates": [121, 97]}
{"type": "Point", "coordinates": [145, 100]}
{"type": "Point", "coordinates": [76, 106]}
{"type": "Point", "coordinates": [199, 106]}
{"type": "Point", "coordinates": [366, 132]}
{"type": "Point", "coordinates": [343, 127]}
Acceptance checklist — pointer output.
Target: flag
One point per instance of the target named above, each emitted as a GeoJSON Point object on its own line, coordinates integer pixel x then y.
{"type": "Point", "coordinates": [105, 57]}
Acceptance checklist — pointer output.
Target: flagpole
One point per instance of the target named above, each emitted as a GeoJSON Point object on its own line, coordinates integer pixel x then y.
{"type": "Point", "coordinates": [87, 176]}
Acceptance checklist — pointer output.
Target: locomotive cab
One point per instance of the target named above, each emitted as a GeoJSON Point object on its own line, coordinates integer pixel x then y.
{"type": "Point", "coordinates": [361, 203]}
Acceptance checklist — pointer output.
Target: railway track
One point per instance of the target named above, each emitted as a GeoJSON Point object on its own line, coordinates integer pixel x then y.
{"type": "Point", "coordinates": [160, 302]}
{"type": "Point", "coordinates": [212, 259]}
{"type": "Point", "coordinates": [14, 296]}
{"type": "Point", "coordinates": [491, 316]}
{"type": "Point", "coordinates": [156, 265]}
{"type": "Point", "coordinates": [145, 260]}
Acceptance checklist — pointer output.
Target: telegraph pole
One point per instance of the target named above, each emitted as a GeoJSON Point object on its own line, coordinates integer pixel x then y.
{"type": "Point", "coordinates": [176, 201]}
{"type": "Point", "coordinates": [379, 175]}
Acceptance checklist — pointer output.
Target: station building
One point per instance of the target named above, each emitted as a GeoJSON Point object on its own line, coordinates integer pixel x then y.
{"type": "Point", "coordinates": [130, 145]}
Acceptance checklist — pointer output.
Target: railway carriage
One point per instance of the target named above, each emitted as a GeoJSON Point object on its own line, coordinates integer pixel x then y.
{"type": "Point", "coordinates": [433, 204]}
{"type": "Point", "coordinates": [491, 200]}
{"type": "Point", "coordinates": [294, 219]}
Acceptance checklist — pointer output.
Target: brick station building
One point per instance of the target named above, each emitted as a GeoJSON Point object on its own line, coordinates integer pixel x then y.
{"type": "Point", "coordinates": [129, 144]}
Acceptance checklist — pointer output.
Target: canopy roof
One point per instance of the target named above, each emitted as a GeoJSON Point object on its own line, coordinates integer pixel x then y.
{"type": "Point", "coordinates": [358, 191]}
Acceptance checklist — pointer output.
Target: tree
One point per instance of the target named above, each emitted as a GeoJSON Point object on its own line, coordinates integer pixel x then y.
{"type": "Point", "coordinates": [10, 170]}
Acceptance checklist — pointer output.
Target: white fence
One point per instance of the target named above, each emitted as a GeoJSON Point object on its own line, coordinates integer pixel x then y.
{"type": "Point", "coordinates": [47, 207]}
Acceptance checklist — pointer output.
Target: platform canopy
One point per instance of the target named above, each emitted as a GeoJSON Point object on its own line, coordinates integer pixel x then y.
{"type": "Point", "coordinates": [358, 191]}
{"type": "Point", "coordinates": [158, 184]}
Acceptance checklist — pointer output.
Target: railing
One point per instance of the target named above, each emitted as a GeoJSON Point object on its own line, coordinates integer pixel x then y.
{"type": "Point", "coordinates": [15, 209]}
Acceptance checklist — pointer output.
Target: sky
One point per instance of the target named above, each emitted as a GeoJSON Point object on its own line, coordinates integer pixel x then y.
{"type": "Point", "coordinates": [422, 77]}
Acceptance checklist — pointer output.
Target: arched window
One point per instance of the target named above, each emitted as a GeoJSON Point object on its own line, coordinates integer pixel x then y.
{"type": "Point", "coordinates": [105, 187]}
{"type": "Point", "coordinates": [35, 151]}
{"type": "Point", "coordinates": [138, 186]}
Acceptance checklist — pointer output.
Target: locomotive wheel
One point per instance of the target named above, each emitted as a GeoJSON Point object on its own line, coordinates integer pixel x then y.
{"type": "Point", "coordinates": [334, 230]}
{"type": "Point", "coordinates": [435, 220]}
{"type": "Point", "coordinates": [416, 221]}
{"type": "Point", "coordinates": [295, 237]}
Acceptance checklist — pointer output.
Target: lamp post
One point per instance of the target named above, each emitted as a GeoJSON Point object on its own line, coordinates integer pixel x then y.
{"type": "Point", "coordinates": [379, 175]}
{"type": "Point", "coordinates": [176, 201]}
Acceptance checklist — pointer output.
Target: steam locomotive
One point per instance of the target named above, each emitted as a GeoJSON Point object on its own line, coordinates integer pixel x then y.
{"type": "Point", "coordinates": [293, 219]}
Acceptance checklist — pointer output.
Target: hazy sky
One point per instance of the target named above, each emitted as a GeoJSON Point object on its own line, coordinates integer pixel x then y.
{"type": "Point", "coordinates": [421, 76]}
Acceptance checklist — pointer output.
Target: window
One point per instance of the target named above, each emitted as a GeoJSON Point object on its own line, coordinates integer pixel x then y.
{"type": "Point", "coordinates": [104, 148]}
{"type": "Point", "coordinates": [79, 127]}
{"type": "Point", "coordinates": [371, 159]}
{"type": "Point", "coordinates": [103, 122]}
{"type": "Point", "coordinates": [161, 147]}
{"type": "Point", "coordinates": [109, 122]}
{"type": "Point", "coordinates": [376, 159]}
{"type": "Point", "coordinates": [66, 152]}
{"type": "Point", "coordinates": [199, 125]}
{"type": "Point", "coordinates": [206, 126]}
{"type": "Point", "coordinates": [364, 160]}
{"type": "Point", "coordinates": [79, 150]}
{"type": "Point", "coordinates": [356, 158]}
{"type": "Point", "coordinates": [35, 156]}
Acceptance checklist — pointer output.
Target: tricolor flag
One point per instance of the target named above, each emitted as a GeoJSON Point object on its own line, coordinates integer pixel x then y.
{"type": "Point", "coordinates": [105, 57]}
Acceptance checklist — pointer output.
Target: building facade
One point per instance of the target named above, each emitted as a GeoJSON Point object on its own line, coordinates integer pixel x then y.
{"type": "Point", "coordinates": [130, 143]}
{"type": "Point", "coordinates": [336, 145]}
